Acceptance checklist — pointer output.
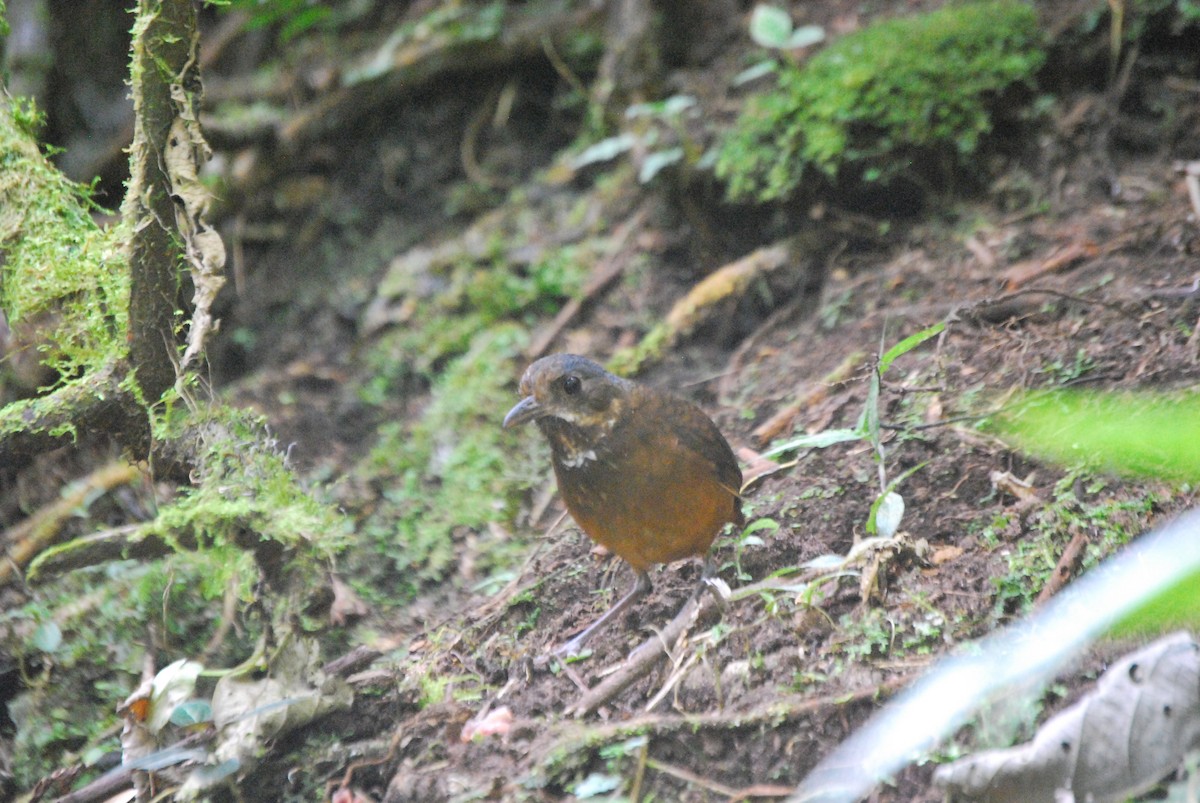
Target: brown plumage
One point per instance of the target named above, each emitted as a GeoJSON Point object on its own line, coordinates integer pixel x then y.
{"type": "Point", "coordinates": [644, 473]}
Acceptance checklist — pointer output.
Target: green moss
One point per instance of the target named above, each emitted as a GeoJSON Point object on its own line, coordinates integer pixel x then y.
{"type": "Point", "coordinates": [450, 472]}
{"type": "Point", "coordinates": [628, 361]}
{"type": "Point", "coordinates": [875, 98]}
{"type": "Point", "coordinates": [243, 483]}
{"type": "Point", "coordinates": [452, 298]}
{"type": "Point", "coordinates": [59, 271]}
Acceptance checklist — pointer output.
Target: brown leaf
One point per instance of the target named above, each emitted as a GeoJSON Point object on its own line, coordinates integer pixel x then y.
{"type": "Point", "coordinates": [1128, 733]}
{"type": "Point", "coordinates": [347, 605]}
{"type": "Point", "coordinates": [496, 722]}
{"type": "Point", "coordinates": [945, 554]}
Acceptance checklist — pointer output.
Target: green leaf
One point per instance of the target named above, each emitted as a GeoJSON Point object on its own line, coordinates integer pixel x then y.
{"type": "Point", "coordinates": [818, 440]}
{"type": "Point", "coordinates": [761, 524]}
{"type": "Point", "coordinates": [770, 26]}
{"type": "Point", "coordinates": [1174, 605]}
{"type": "Point", "coordinates": [886, 514]}
{"type": "Point", "coordinates": [804, 36]}
{"type": "Point", "coordinates": [47, 637]}
{"type": "Point", "coordinates": [656, 161]}
{"type": "Point", "coordinates": [755, 71]}
{"type": "Point", "coordinates": [598, 783]}
{"type": "Point", "coordinates": [171, 686]}
{"type": "Point", "coordinates": [604, 151]}
{"type": "Point", "coordinates": [1137, 433]}
{"type": "Point", "coordinates": [908, 344]}
{"type": "Point", "coordinates": [191, 712]}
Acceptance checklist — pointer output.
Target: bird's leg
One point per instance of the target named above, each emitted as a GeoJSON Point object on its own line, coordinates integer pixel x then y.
{"type": "Point", "coordinates": [641, 585]}
{"type": "Point", "coordinates": [706, 583]}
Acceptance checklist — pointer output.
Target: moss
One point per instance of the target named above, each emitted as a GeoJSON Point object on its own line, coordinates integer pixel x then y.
{"type": "Point", "coordinates": [243, 483]}
{"type": "Point", "coordinates": [59, 271]}
{"type": "Point", "coordinates": [629, 361]}
{"type": "Point", "coordinates": [450, 472]}
{"type": "Point", "coordinates": [451, 298]}
{"type": "Point", "coordinates": [876, 98]}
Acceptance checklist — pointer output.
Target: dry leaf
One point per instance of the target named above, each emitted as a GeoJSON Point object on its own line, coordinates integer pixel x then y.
{"type": "Point", "coordinates": [945, 554]}
{"type": "Point", "coordinates": [1005, 482]}
{"type": "Point", "coordinates": [496, 722]}
{"type": "Point", "coordinates": [1122, 738]}
{"type": "Point", "coordinates": [346, 604]}
{"type": "Point", "coordinates": [250, 711]}
{"type": "Point", "coordinates": [757, 466]}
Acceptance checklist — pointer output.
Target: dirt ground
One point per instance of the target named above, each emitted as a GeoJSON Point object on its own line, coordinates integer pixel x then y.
{"type": "Point", "coordinates": [1073, 267]}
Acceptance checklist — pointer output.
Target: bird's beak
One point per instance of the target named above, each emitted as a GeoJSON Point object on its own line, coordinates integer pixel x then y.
{"type": "Point", "coordinates": [525, 410]}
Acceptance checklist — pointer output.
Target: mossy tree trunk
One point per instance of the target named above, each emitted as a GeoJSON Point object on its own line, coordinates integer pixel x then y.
{"type": "Point", "coordinates": [94, 359]}
{"type": "Point", "coordinates": [165, 83]}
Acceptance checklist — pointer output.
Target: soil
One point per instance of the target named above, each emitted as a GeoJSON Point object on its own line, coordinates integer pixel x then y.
{"type": "Point", "coordinates": [1073, 267]}
{"type": "Point", "coordinates": [1111, 316]}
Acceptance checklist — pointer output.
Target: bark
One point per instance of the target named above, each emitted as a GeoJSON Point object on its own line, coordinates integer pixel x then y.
{"type": "Point", "coordinates": [165, 84]}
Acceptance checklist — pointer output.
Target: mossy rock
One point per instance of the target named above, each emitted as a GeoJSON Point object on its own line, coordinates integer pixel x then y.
{"type": "Point", "coordinates": [877, 98]}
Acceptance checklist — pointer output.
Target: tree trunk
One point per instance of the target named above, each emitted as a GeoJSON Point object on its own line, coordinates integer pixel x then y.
{"type": "Point", "coordinates": [165, 84]}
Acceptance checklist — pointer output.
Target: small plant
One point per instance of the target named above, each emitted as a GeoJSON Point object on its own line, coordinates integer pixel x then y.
{"type": "Point", "coordinates": [656, 130]}
{"type": "Point", "coordinates": [1031, 560]}
{"type": "Point", "coordinates": [772, 27]}
{"type": "Point", "coordinates": [888, 507]}
{"type": "Point", "coordinates": [749, 538]}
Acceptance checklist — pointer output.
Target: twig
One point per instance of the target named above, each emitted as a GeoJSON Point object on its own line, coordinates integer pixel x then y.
{"type": "Point", "coordinates": [468, 148]}
{"type": "Point", "coordinates": [961, 310]}
{"type": "Point", "coordinates": [783, 708]}
{"type": "Point", "coordinates": [124, 542]}
{"type": "Point", "coordinates": [229, 609]}
{"type": "Point", "coordinates": [357, 659]}
{"type": "Point", "coordinates": [96, 403]}
{"type": "Point", "coordinates": [1065, 567]}
{"type": "Point", "coordinates": [119, 778]}
{"type": "Point", "coordinates": [781, 420]}
{"type": "Point", "coordinates": [677, 674]}
{"type": "Point", "coordinates": [643, 659]}
{"type": "Point", "coordinates": [695, 780]}
{"type": "Point", "coordinates": [40, 530]}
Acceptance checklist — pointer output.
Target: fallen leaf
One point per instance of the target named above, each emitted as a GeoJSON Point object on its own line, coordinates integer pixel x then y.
{"type": "Point", "coordinates": [496, 722]}
{"type": "Point", "coordinates": [1120, 739]}
{"type": "Point", "coordinates": [945, 554]}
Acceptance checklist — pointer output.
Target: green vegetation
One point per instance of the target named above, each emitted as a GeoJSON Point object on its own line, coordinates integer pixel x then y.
{"type": "Point", "coordinates": [1032, 558]}
{"type": "Point", "coordinates": [60, 273]}
{"type": "Point", "coordinates": [68, 711]}
{"type": "Point", "coordinates": [875, 633]}
{"type": "Point", "coordinates": [244, 522]}
{"type": "Point", "coordinates": [875, 99]}
{"type": "Point", "coordinates": [1140, 433]}
{"type": "Point", "coordinates": [449, 468]}
{"type": "Point", "coordinates": [451, 471]}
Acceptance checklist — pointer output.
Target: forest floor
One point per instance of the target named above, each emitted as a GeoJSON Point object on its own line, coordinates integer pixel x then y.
{"type": "Point", "coordinates": [1072, 266]}
{"type": "Point", "coordinates": [1071, 269]}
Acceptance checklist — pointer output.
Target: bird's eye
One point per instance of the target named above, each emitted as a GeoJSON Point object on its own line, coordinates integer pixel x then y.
{"type": "Point", "coordinates": [571, 385]}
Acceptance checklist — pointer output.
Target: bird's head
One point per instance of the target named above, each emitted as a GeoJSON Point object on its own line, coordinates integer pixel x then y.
{"type": "Point", "coordinates": [572, 389]}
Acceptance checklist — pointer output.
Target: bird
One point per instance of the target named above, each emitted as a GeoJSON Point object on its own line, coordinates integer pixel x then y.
{"type": "Point", "coordinates": [644, 473]}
